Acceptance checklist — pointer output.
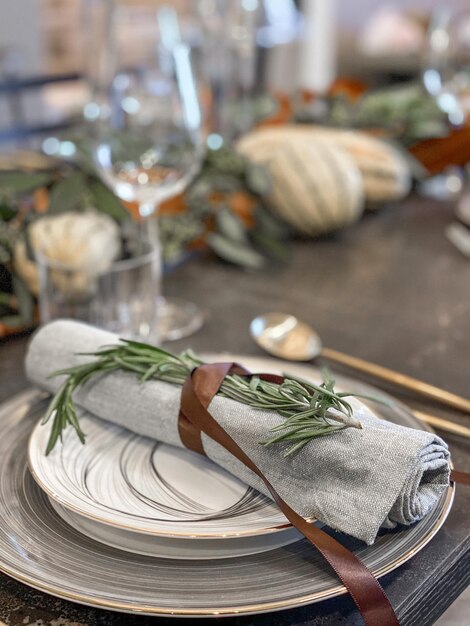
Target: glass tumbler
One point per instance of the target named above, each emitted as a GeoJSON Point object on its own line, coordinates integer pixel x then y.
{"type": "Point", "coordinates": [120, 298]}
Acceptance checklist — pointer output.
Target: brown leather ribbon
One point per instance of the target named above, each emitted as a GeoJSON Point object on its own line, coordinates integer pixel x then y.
{"type": "Point", "coordinates": [460, 477]}
{"type": "Point", "coordinates": [198, 391]}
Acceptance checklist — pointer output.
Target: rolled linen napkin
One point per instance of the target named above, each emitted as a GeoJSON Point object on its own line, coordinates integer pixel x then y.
{"type": "Point", "coordinates": [355, 481]}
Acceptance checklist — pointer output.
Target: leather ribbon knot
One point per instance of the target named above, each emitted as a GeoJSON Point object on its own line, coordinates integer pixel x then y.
{"type": "Point", "coordinates": [198, 391]}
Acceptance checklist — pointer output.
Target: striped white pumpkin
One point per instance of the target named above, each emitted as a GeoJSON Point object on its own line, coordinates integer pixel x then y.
{"type": "Point", "coordinates": [386, 175]}
{"type": "Point", "coordinates": [316, 187]}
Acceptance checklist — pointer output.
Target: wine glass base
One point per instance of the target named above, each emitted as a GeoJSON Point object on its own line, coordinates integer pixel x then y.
{"type": "Point", "coordinates": [178, 318]}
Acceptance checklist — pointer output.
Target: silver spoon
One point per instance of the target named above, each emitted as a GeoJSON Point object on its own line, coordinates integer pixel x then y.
{"type": "Point", "coordinates": [288, 338]}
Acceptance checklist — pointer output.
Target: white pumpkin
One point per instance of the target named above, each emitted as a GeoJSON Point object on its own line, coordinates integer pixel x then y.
{"type": "Point", "coordinates": [316, 187]}
{"type": "Point", "coordinates": [86, 243]}
{"type": "Point", "coordinates": [385, 172]}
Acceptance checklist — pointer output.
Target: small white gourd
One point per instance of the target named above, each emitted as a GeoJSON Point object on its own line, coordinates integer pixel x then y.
{"type": "Point", "coordinates": [87, 243]}
{"type": "Point", "coordinates": [316, 187]}
{"type": "Point", "coordinates": [385, 172]}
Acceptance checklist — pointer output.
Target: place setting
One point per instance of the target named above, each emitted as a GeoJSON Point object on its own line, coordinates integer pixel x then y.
{"type": "Point", "coordinates": [132, 504]}
{"type": "Point", "coordinates": [278, 425]}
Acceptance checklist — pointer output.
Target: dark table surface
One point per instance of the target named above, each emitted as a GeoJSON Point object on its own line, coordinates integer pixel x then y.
{"type": "Point", "coordinates": [390, 289]}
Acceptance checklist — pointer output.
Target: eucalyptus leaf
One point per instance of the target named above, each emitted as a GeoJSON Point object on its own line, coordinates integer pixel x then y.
{"type": "Point", "coordinates": [270, 224]}
{"type": "Point", "coordinates": [106, 202]}
{"type": "Point", "coordinates": [271, 246]}
{"type": "Point", "coordinates": [14, 321]}
{"type": "Point", "coordinates": [25, 299]}
{"type": "Point", "coordinates": [236, 253]}
{"type": "Point", "coordinates": [406, 110]}
{"type": "Point", "coordinates": [231, 226]}
{"type": "Point", "coordinates": [425, 128]}
{"type": "Point", "coordinates": [67, 194]}
{"type": "Point", "coordinates": [258, 179]}
{"type": "Point", "coordinates": [30, 255]}
{"type": "Point", "coordinates": [22, 182]}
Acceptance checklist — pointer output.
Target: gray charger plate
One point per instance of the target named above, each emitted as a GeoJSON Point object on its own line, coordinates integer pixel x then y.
{"type": "Point", "coordinates": [38, 548]}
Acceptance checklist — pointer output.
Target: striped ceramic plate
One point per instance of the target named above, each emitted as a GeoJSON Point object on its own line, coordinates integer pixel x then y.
{"type": "Point", "coordinates": [136, 484]}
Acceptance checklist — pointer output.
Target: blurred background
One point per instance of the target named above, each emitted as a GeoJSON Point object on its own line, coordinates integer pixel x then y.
{"type": "Point", "coordinates": [144, 108]}
{"type": "Point", "coordinates": [258, 134]}
{"type": "Point", "coordinates": [43, 48]}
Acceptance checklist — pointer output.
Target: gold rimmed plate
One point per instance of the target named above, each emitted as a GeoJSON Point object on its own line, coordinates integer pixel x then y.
{"type": "Point", "coordinates": [37, 548]}
{"type": "Point", "coordinates": [37, 545]}
{"type": "Point", "coordinates": [135, 484]}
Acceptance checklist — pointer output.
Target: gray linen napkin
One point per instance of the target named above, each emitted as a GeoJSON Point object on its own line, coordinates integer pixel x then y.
{"type": "Point", "coordinates": [355, 481]}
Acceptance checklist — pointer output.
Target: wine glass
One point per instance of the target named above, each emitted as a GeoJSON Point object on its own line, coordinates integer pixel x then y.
{"type": "Point", "coordinates": [446, 71]}
{"type": "Point", "coordinates": [235, 42]}
{"type": "Point", "coordinates": [229, 63]}
{"type": "Point", "coordinates": [150, 141]}
{"type": "Point", "coordinates": [446, 77]}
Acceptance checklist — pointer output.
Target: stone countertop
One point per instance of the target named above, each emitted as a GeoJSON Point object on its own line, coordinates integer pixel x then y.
{"type": "Point", "coordinates": [390, 289]}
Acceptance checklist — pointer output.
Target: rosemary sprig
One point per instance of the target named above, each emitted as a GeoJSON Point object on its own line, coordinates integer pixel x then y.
{"type": "Point", "coordinates": [310, 410]}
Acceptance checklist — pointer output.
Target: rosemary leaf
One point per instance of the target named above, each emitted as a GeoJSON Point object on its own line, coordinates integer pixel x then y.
{"type": "Point", "coordinates": [309, 410]}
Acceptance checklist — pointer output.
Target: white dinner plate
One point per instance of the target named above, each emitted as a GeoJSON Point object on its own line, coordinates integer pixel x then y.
{"type": "Point", "coordinates": [175, 548]}
{"type": "Point", "coordinates": [40, 549]}
{"type": "Point", "coordinates": [140, 485]}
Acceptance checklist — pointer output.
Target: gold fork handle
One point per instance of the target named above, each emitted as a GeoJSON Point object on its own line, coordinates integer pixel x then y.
{"type": "Point", "coordinates": [442, 424]}
{"type": "Point", "coordinates": [400, 380]}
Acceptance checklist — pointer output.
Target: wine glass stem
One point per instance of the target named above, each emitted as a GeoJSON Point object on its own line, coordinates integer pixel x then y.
{"type": "Point", "coordinates": [149, 223]}
{"type": "Point", "coordinates": [176, 319]}
{"type": "Point", "coordinates": [148, 213]}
